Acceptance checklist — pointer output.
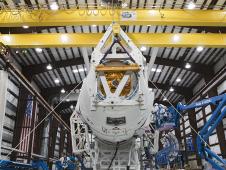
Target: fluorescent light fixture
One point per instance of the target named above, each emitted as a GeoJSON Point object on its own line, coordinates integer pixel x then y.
{"type": "Point", "coordinates": [78, 70]}
{"type": "Point", "coordinates": [57, 81]}
{"type": "Point", "coordinates": [191, 5]}
{"type": "Point", "coordinates": [49, 67]}
{"type": "Point", "coordinates": [67, 100]}
{"type": "Point", "coordinates": [64, 38]}
{"type": "Point", "coordinates": [143, 48]}
{"type": "Point", "coordinates": [199, 48]}
{"type": "Point", "coordinates": [54, 6]}
{"type": "Point", "coordinates": [171, 89]}
{"type": "Point", "coordinates": [158, 70]}
{"type": "Point", "coordinates": [38, 50]}
{"type": "Point", "coordinates": [178, 80]}
{"type": "Point", "coordinates": [6, 38]}
{"type": "Point", "coordinates": [176, 38]}
{"type": "Point", "coordinates": [62, 91]}
{"type": "Point", "coordinates": [25, 26]}
{"type": "Point", "coordinates": [188, 65]}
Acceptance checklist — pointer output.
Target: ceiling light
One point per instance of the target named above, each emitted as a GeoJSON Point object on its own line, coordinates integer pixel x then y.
{"type": "Point", "coordinates": [57, 81]}
{"type": "Point", "coordinates": [191, 5]}
{"type": "Point", "coordinates": [54, 6]}
{"type": "Point", "coordinates": [124, 5]}
{"type": "Point", "coordinates": [67, 100]}
{"type": "Point", "coordinates": [94, 25]}
{"type": "Point", "coordinates": [64, 38]}
{"type": "Point", "coordinates": [17, 51]}
{"type": "Point", "coordinates": [6, 38]}
{"type": "Point", "coordinates": [152, 12]}
{"type": "Point", "coordinates": [24, 51]}
{"type": "Point", "coordinates": [188, 65]}
{"type": "Point", "coordinates": [25, 26]}
{"type": "Point", "coordinates": [38, 50]}
{"type": "Point", "coordinates": [176, 38]}
{"type": "Point", "coordinates": [164, 99]}
{"type": "Point", "coordinates": [49, 67]}
{"type": "Point", "coordinates": [62, 91]}
{"type": "Point", "coordinates": [72, 107]}
{"type": "Point", "coordinates": [199, 48]}
{"type": "Point", "coordinates": [158, 70]}
{"type": "Point", "coordinates": [78, 70]}
{"type": "Point", "coordinates": [171, 89]}
{"type": "Point", "coordinates": [143, 48]}
{"type": "Point", "coordinates": [178, 80]}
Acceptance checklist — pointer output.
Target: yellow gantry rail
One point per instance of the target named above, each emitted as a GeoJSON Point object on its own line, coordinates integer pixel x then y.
{"type": "Point", "coordinates": [91, 40]}
{"type": "Point", "coordinates": [67, 17]}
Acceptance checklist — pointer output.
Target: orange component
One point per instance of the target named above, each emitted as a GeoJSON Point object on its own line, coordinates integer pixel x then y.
{"type": "Point", "coordinates": [132, 67]}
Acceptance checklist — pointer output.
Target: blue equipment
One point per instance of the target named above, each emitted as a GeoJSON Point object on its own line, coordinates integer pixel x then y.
{"type": "Point", "coordinates": [166, 118]}
{"type": "Point", "coordinates": [216, 117]}
{"type": "Point", "coordinates": [189, 145]}
{"type": "Point", "coordinates": [10, 165]}
{"type": "Point", "coordinates": [169, 151]}
{"type": "Point", "coordinates": [70, 165]}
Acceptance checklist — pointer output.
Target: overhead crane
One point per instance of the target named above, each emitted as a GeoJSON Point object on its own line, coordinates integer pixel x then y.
{"type": "Point", "coordinates": [102, 16]}
{"type": "Point", "coordinates": [91, 40]}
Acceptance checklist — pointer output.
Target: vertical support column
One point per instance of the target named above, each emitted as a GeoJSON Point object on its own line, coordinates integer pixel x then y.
{"type": "Point", "coordinates": [31, 138]}
{"type": "Point", "coordinates": [52, 139]}
{"type": "Point", "coordinates": [39, 132]}
{"type": "Point", "coordinates": [62, 140]}
{"type": "Point", "coordinates": [21, 107]}
{"type": "Point", "coordinates": [3, 99]}
{"type": "Point", "coordinates": [185, 143]}
{"type": "Point", "coordinates": [69, 144]}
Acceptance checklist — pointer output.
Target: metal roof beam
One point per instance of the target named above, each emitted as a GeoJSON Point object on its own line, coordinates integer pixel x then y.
{"type": "Point", "coordinates": [184, 91]}
{"type": "Point", "coordinates": [68, 17]}
{"type": "Point", "coordinates": [40, 68]}
{"type": "Point", "coordinates": [178, 89]}
{"type": "Point", "coordinates": [92, 39]}
{"type": "Point", "coordinates": [53, 91]}
{"type": "Point", "coordinates": [66, 105]}
{"type": "Point", "coordinates": [195, 67]}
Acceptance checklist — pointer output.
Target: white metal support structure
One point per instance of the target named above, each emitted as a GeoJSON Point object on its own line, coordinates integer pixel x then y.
{"type": "Point", "coordinates": [154, 52]}
{"type": "Point", "coordinates": [86, 58]}
{"type": "Point", "coordinates": [115, 102]}
{"type": "Point", "coordinates": [3, 99]}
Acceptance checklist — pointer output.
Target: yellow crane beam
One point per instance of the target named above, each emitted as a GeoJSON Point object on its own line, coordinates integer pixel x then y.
{"type": "Point", "coordinates": [68, 17]}
{"type": "Point", "coordinates": [91, 40]}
